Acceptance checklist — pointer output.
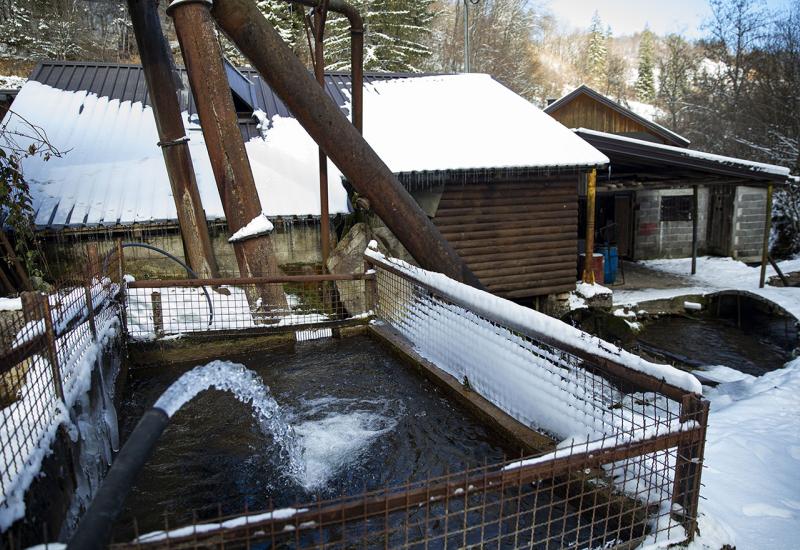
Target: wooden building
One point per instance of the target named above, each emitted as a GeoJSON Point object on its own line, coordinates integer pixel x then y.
{"type": "Point", "coordinates": [659, 198]}
{"type": "Point", "coordinates": [498, 176]}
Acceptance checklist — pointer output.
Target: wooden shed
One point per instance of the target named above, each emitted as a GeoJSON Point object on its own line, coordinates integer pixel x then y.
{"type": "Point", "coordinates": [586, 108]}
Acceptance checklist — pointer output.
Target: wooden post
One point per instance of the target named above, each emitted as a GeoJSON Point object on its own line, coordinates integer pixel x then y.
{"type": "Point", "coordinates": [591, 193]}
{"type": "Point", "coordinates": [121, 274]}
{"type": "Point", "coordinates": [52, 350]}
{"type": "Point", "coordinates": [94, 261]}
{"type": "Point", "coordinates": [767, 229]}
{"type": "Point", "coordinates": [371, 288]}
{"type": "Point", "coordinates": [90, 308]}
{"type": "Point", "coordinates": [158, 314]}
{"type": "Point", "coordinates": [689, 465]}
{"type": "Point", "coordinates": [695, 216]}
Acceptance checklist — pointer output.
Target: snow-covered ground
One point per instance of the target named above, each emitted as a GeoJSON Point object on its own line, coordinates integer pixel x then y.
{"type": "Point", "coordinates": [714, 275]}
{"type": "Point", "coordinates": [751, 492]}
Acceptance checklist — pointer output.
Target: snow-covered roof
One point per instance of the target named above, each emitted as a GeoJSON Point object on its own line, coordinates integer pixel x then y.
{"type": "Point", "coordinates": [631, 147]}
{"type": "Point", "coordinates": [113, 172]}
{"type": "Point", "coordinates": [635, 114]}
{"type": "Point", "coordinates": [465, 121]}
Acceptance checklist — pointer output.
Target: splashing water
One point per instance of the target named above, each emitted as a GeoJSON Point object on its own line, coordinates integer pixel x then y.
{"type": "Point", "coordinates": [248, 388]}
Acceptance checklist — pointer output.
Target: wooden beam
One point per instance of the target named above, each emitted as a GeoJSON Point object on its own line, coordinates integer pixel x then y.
{"type": "Point", "coordinates": [591, 192]}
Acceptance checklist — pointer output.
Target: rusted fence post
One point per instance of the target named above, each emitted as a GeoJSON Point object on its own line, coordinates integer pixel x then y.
{"type": "Point", "coordinates": [93, 257]}
{"type": "Point", "coordinates": [320, 15]}
{"type": "Point", "coordinates": [588, 260]}
{"type": "Point", "coordinates": [52, 350]}
{"type": "Point", "coordinates": [90, 309]}
{"type": "Point", "coordinates": [689, 464]}
{"type": "Point", "coordinates": [123, 297]}
{"type": "Point", "coordinates": [765, 245]}
{"type": "Point", "coordinates": [158, 314]}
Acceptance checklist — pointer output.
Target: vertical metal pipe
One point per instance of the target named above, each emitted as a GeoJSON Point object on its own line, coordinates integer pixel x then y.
{"type": "Point", "coordinates": [466, 36]}
{"type": "Point", "coordinates": [320, 13]}
{"type": "Point", "coordinates": [226, 149]}
{"type": "Point", "coordinates": [160, 76]}
{"type": "Point", "coordinates": [591, 193]}
{"type": "Point", "coordinates": [765, 245]}
{"type": "Point", "coordinates": [695, 221]}
{"type": "Point", "coordinates": [323, 120]}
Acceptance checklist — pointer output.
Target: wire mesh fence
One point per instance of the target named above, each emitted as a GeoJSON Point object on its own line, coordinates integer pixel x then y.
{"type": "Point", "coordinates": [626, 470]}
{"type": "Point", "coordinates": [308, 304]}
{"type": "Point", "coordinates": [46, 350]}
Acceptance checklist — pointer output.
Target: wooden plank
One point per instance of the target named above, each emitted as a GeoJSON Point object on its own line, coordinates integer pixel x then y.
{"type": "Point", "coordinates": [508, 236]}
{"type": "Point", "coordinates": [541, 291]}
{"type": "Point", "coordinates": [471, 223]}
{"type": "Point", "coordinates": [542, 206]}
{"type": "Point", "coordinates": [477, 255]}
{"type": "Point", "coordinates": [522, 216]}
{"type": "Point", "coordinates": [558, 263]}
{"type": "Point", "coordinates": [513, 242]}
{"type": "Point", "coordinates": [507, 199]}
{"type": "Point", "coordinates": [512, 282]}
{"type": "Point", "coordinates": [545, 185]}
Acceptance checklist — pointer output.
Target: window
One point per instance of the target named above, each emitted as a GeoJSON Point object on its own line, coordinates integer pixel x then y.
{"type": "Point", "coordinates": [676, 209]}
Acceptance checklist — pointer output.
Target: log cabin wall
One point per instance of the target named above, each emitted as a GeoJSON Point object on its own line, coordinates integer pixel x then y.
{"type": "Point", "coordinates": [519, 238]}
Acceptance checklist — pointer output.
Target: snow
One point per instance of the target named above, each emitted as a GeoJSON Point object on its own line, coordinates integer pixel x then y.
{"type": "Point", "coordinates": [10, 304]}
{"type": "Point", "coordinates": [583, 292]}
{"type": "Point", "coordinates": [275, 515]}
{"type": "Point", "coordinates": [716, 275]}
{"type": "Point", "coordinates": [690, 153]}
{"type": "Point", "coordinates": [465, 121]}
{"type": "Point", "coordinates": [113, 171]}
{"type": "Point", "coordinates": [518, 317]}
{"type": "Point", "coordinates": [12, 82]}
{"type": "Point", "coordinates": [260, 225]}
{"type": "Point", "coordinates": [751, 493]}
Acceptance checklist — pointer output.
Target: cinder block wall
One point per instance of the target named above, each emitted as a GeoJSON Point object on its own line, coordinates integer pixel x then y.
{"type": "Point", "coordinates": [748, 224]}
{"type": "Point", "coordinates": [662, 239]}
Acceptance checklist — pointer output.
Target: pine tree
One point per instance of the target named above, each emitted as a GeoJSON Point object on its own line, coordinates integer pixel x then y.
{"type": "Point", "coordinates": [396, 38]}
{"type": "Point", "coordinates": [645, 82]}
{"type": "Point", "coordinates": [596, 53]}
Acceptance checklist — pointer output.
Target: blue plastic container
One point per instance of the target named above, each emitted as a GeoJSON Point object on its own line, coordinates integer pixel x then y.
{"type": "Point", "coordinates": [610, 263]}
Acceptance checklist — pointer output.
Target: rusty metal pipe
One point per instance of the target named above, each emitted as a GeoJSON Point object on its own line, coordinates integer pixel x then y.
{"type": "Point", "coordinates": [159, 73]}
{"type": "Point", "coordinates": [320, 14]}
{"type": "Point", "coordinates": [226, 150]}
{"type": "Point", "coordinates": [322, 119]}
{"type": "Point", "coordinates": [356, 52]}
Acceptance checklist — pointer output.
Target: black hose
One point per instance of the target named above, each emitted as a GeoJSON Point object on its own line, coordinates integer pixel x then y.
{"type": "Point", "coordinates": [188, 269]}
{"type": "Point", "coordinates": [95, 528]}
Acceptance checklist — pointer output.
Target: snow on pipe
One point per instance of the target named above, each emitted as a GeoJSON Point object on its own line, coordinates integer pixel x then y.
{"type": "Point", "coordinates": [188, 269]}
{"type": "Point", "coordinates": [94, 530]}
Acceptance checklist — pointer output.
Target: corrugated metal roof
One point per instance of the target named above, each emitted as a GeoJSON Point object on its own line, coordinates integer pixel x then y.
{"type": "Point", "coordinates": [127, 83]}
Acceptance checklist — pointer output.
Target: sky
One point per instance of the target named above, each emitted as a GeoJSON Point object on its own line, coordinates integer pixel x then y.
{"type": "Point", "coordinates": [630, 16]}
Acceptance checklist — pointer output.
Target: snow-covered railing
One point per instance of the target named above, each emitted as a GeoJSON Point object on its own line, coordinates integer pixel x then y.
{"type": "Point", "coordinates": [310, 305]}
{"type": "Point", "coordinates": [47, 352]}
{"type": "Point", "coordinates": [583, 392]}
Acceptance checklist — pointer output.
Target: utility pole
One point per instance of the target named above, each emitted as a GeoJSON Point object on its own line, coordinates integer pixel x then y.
{"type": "Point", "coordinates": [467, 68]}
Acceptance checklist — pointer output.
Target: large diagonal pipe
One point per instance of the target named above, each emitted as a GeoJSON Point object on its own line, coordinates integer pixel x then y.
{"type": "Point", "coordinates": [246, 26]}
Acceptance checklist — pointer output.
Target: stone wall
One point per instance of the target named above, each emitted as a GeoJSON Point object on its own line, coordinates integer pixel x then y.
{"type": "Point", "coordinates": [748, 224]}
{"type": "Point", "coordinates": [666, 239]}
{"type": "Point", "coordinates": [296, 243]}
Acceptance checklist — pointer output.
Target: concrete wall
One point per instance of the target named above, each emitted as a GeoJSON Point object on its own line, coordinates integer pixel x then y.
{"type": "Point", "coordinates": [297, 245]}
{"type": "Point", "coordinates": [749, 206]}
{"type": "Point", "coordinates": [656, 239]}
